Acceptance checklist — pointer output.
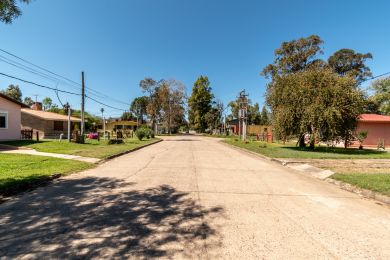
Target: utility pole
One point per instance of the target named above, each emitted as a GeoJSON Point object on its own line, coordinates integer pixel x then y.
{"type": "Point", "coordinates": [68, 111]}
{"type": "Point", "coordinates": [243, 105]}
{"type": "Point", "coordinates": [170, 116]}
{"type": "Point", "coordinates": [82, 108]}
{"type": "Point", "coordinates": [138, 112]}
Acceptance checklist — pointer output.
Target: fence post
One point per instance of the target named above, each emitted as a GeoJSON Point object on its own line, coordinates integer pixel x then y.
{"type": "Point", "coordinates": [37, 135]}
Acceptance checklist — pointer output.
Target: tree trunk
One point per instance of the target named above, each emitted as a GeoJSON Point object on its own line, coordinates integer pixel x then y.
{"type": "Point", "coordinates": [302, 141]}
{"type": "Point", "coordinates": [312, 143]}
{"type": "Point", "coordinates": [312, 138]}
{"type": "Point", "coordinates": [346, 141]}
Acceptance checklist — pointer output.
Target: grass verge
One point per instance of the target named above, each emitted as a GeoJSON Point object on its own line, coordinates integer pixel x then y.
{"type": "Point", "coordinates": [92, 148]}
{"type": "Point", "coordinates": [375, 182]}
{"type": "Point", "coordinates": [275, 150]}
{"type": "Point", "coordinates": [20, 172]}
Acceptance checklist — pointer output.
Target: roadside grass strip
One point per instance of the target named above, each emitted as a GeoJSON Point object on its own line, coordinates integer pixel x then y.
{"type": "Point", "coordinates": [18, 171]}
{"type": "Point", "coordinates": [92, 148]}
{"type": "Point", "coordinates": [275, 150]}
{"type": "Point", "coordinates": [374, 182]}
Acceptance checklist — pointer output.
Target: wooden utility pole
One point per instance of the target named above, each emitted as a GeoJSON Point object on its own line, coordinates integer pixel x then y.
{"type": "Point", "coordinates": [242, 112]}
{"type": "Point", "coordinates": [82, 108]}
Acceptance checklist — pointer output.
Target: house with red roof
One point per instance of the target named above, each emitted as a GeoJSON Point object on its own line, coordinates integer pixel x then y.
{"type": "Point", "coordinates": [378, 127]}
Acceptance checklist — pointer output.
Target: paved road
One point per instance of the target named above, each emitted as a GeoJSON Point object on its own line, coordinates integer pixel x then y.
{"type": "Point", "coordinates": [192, 197]}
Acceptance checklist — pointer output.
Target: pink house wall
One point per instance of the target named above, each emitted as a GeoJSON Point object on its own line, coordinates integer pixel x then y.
{"type": "Point", "coordinates": [13, 130]}
{"type": "Point", "coordinates": [376, 131]}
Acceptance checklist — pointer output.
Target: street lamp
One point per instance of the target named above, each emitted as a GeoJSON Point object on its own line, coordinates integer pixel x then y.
{"type": "Point", "coordinates": [104, 124]}
{"type": "Point", "coordinates": [68, 112]}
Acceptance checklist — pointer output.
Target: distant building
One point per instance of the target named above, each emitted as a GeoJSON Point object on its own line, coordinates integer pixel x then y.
{"type": "Point", "coordinates": [49, 125]}
{"type": "Point", "coordinates": [10, 118]}
{"type": "Point", "coordinates": [378, 128]}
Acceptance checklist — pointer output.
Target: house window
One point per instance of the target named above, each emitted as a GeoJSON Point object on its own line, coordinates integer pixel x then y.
{"type": "Point", "coordinates": [3, 120]}
{"type": "Point", "coordinates": [58, 126]}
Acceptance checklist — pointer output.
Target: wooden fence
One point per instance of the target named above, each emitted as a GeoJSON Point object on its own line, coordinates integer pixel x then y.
{"type": "Point", "coordinates": [26, 134]}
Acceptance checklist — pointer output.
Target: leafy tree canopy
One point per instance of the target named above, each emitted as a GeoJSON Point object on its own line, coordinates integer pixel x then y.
{"type": "Point", "coordinates": [348, 62]}
{"type": "Point", "coordinates": [139, 107]}
{"type": "Point", "coordinates": [9, 10]}
{"type": "Point", "coordinates": [381, 97]}
{"type": "Point", "coordinates": [294, 56]}
{"type": "Point", "coordinates": [14, 92]}
{"type": "Point", "coordinates": [28, 101]}
{"type": "Point", "coordinates": [200, 103]}
{"type": "Point", "coordinates": [47, 103]}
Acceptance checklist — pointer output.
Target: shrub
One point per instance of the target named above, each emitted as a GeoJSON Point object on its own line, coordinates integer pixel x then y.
{"type": "Point", "coordinates": [143, 132]}
{"type": "Point", "coordinates": [115, 141]}
{"type": "Point", "coordinates": [361, 136]}
{"type": "Point", "coordinates": [263, 145]}
{"type": "Point", "coordinates": [381, 144]}
{"type": "Point", "coordinates": [140, 133]}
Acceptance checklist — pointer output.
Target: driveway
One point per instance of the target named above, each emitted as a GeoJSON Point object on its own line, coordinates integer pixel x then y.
{"type": "Point", "coordinates": [192, 197]}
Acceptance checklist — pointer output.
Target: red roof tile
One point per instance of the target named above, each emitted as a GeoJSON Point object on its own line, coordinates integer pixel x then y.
{"type": "Point", "coordinates": [374, 118]}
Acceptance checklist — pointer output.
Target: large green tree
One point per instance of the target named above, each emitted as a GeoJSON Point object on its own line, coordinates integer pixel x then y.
{"type": "Point", "coordinates": [165, 103]}
{"type": "Point", "coordinates": [306, 95]}
{"type": "Point", "coordinates": [47, 103]}
{"type": "Point", "coordinates": [172, 94]}
{"type": "Point", "coordinates": [151, 86]}
{"type": "Point", "coordinates": [28, 101]}
{"type": "Point", "coordinates": [380, 100]}
{"type": "Point", "coordinates": [264, 117]}
{"type": "Point", "coordinates": [127, 116]}
{"type": "Point", "coordinates": [139, 107]}
{"type": "Point", "coordinates": [294, 56]}
{"type": "Point", "coordinates": [200, 103]}
{"type": "Point", "coordinates": [214, 116]}
{"type": "Point", "coordinates": [348, 62]}
{"type": "Point", "coordinates": [14, 92]}
{"type": "Point", "coordinates": [315, 101]}
{"type": "Point", "coordinates": [9, 10]}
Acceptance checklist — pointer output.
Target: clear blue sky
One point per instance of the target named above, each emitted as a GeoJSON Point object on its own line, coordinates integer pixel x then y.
{"type": "Point", "coordinates": [118, 43]}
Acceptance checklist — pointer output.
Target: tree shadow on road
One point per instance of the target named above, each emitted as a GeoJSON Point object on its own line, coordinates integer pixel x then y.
{"type": "Point", "coordinates": [105, 217]}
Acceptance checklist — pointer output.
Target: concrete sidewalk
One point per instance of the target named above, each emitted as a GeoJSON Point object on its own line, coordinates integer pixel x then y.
{"type": "Point", "coordinates": [55, 155]}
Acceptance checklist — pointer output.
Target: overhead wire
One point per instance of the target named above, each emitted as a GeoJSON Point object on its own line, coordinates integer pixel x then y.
{"type": "Point", "coordinates": [62, 79]}
{"type": "Point", "coordinates": [39, 85]}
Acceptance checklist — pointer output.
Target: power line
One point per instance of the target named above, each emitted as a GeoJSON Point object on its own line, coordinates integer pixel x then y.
{"type": "Point", "coordinates": [60, 90]}
{"type": "Point", "coordinates": [73, 83]}
{"type": "Point", "coordinates": [33, 71]}
{"type": "Point", "coordinates": [39, 85]}
{"type": "Point", "coordinates": [103, 104]}
{"type": "Point", "coordinates": [381, 75]}
{"type": "Point", "coordinates": [26, 61]}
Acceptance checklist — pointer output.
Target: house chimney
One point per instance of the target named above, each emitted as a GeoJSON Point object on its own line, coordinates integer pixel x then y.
{"type": "Point", "coordinates": [37, 106]}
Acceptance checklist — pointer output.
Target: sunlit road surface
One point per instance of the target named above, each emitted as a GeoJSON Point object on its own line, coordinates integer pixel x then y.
{"type": "Point", "coordinates": [192, 197]}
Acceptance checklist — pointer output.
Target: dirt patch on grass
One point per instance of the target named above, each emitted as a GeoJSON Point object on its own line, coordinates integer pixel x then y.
{"type": "Point", "coordinates": [367, 166]}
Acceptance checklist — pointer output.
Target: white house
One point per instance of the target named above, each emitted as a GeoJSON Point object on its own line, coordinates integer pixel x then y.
{"type": "Point", "coordinates": [10, 118]}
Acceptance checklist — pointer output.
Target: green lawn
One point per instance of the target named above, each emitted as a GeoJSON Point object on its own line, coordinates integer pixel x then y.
{"type": "Point", "coordinates": [275, 150]}
{"type": "Point", "coordinates": [92, 148]}
{"type": "Point", "coordinates": [375, 182]}
{"type": "Point", "coordinates": [18, 170]}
